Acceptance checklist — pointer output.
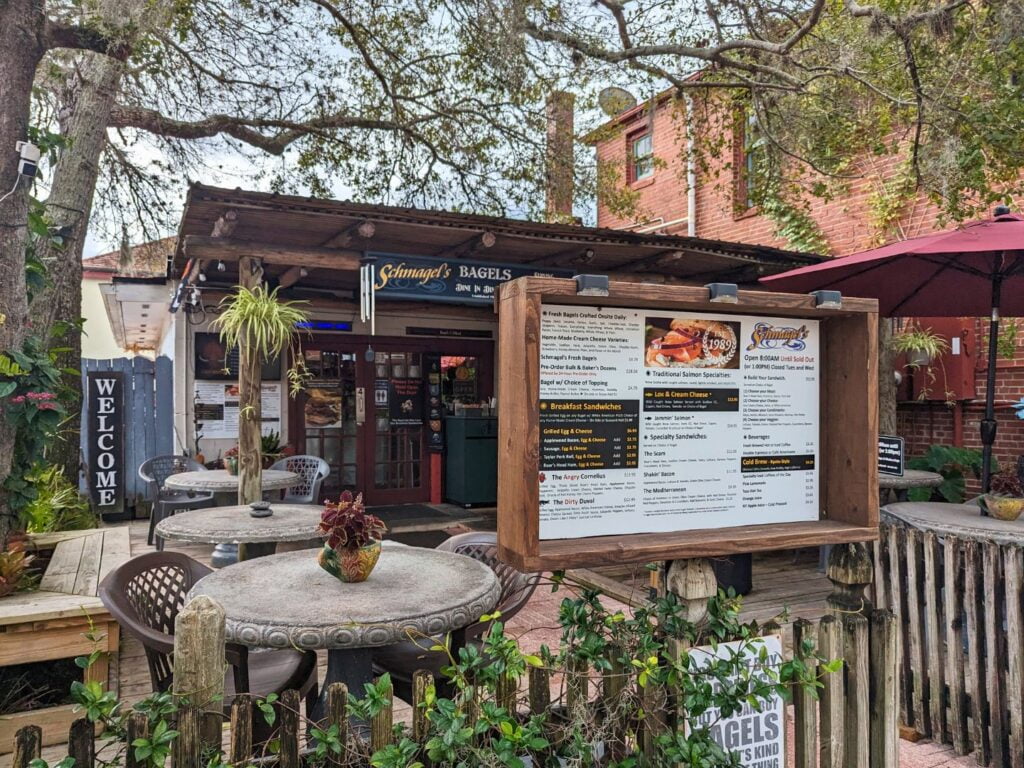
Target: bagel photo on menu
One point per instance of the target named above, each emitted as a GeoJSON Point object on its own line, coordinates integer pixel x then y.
{"type": "Point", "coordinates": [688, 342]}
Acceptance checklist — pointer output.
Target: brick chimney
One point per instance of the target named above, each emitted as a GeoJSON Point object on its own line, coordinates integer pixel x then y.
{"type": "Point", "coordinates": [559, 160]}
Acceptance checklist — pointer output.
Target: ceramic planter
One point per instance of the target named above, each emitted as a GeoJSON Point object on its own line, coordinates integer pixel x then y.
{"type": "Point", "coordinates": [1002, 507]}
{"type": "Point", "coordinates": [349, 565]}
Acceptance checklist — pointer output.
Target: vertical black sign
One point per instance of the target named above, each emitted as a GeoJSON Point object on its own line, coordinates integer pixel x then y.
{"type": "Point", "coordinates": [890, 455]}
{"type": "Point", "coordinates": [106, 439]}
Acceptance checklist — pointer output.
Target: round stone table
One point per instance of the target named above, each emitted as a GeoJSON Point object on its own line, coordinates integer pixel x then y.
{"type": "Point", "coordinates": [255, 536]}
{"type": "Point", "coordinates": [224, 486]}
{"type": "Point", "coordinates": [289, 601]}
{"type": "Point", "coordinates": [911, 478]}
{"type": "Point", "coordinates": [964, 521]}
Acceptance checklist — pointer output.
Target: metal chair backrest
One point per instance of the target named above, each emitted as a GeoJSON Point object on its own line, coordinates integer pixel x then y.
{"type": "Point", "coordinates": [516, 586]}
{"type": "Point", "coordinates": [312, 470]}
{"type": "Point", "coordinates": [159, 468]}
{"type": "Point", "coordinates": [145, 595]}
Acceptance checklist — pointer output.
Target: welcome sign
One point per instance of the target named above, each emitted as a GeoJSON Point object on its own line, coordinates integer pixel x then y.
{"type": "Point", "coordinates": [425, 278]}
{"type": "Point", "coordinates": [106, 439]}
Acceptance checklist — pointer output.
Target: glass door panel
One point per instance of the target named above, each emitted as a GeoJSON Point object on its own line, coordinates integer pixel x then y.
{"type": "Point", "coordinates": [396, 423]}
{"type": "Point", "coordinates": [328, 411]}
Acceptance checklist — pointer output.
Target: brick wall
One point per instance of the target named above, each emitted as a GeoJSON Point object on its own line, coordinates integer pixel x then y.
{"type": "Point", "coordinates": [847, 226]}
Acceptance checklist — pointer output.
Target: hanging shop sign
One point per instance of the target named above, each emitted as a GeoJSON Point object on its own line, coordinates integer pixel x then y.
{"type": "Point", "coordinates": [890, 455]}
{"type": "Point", "coordinates": [661, 425]}
{"type": "Point", "coordinates": [105, 393]}
{"type": "Point", "coordinates": [424, 278]}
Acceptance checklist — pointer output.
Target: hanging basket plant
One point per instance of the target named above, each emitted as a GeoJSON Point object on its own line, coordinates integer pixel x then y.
{"type": "Point", "coordinates": [268, 327]}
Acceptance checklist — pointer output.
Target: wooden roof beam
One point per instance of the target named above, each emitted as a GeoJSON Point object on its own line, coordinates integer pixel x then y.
{"type": "Point", "coordinates": [576, 255]}
{"type": "Point", "coordinates": [484, 240]}
{"type": "Point", "coordinates": [655, 259]}
{"type": "Point", "coordinates": [364, 228]}
{"type": "Point", "coordinates": [291, 276]}
{"type": "Point", "coordinates": [230, 249]}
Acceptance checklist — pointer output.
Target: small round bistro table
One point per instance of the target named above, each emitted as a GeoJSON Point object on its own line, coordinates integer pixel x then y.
{"type": "Point", "coordinates": [224, 486]}
{"type": "Point", "coordinates": [255, 536]}
{"type": "Point", "coordinates": [289, 601]}
{"type": "Point", "coordinates": [911, 478]}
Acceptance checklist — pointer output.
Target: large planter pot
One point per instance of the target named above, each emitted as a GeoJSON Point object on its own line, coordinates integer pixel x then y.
{"type": "Point", "coordinates": [1002, 507]}
{"type": "Point", "coordinates": [349, 565]}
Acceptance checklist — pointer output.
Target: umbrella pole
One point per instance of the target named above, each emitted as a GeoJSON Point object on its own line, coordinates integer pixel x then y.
{"type": "Point", "coordinates": [988, 424]}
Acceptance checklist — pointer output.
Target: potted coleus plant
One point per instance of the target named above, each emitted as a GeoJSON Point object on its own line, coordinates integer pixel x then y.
{"type": "Point", "coordinates": [352, 539]}
{"type": "Point", "coordinates": [1005, 499]}
{"type": "Point", "coordinates": [231, 460]}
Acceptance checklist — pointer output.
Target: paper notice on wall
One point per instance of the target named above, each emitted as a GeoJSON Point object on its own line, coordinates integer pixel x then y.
{"type": "Point", "coordinates": [667, 421]}
{"type": "Point", "coordinates": [756, 734]}
{"type": "Point", "coordinates": [217, 409]}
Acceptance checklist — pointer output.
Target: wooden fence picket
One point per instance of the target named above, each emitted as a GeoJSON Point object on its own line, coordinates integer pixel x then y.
{"type": "Point", "coordinates": [953, 586]}
{"type": "Point", "coordinates": [1013, 565]}
{"type": "Point", "coordinates": [975, 659]}
{"type": "Point", "coordinates": [855, 652]}
{"type": "Point", "coordinates": [883, 690]}
{"type": "Point", "coordinates": [932, 637]}
{"type": "Point", "coordinates": [833, 695]}
{"type": "Point", "coordinates": [994, 651]}
{"type": "Point", "coordinates": [805, 710]}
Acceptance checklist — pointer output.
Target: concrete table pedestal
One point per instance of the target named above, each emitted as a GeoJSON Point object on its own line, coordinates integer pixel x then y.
{"type": "Point", "coordinates": [288, 601]}
{"type": "Point", "coordinates": [224, 486]}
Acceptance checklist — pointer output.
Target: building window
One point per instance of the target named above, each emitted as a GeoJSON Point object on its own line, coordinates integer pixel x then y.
{"type": "Point", "coordinates": [746, 145]}
{"type": "Point", "coordinates": [641, 157]}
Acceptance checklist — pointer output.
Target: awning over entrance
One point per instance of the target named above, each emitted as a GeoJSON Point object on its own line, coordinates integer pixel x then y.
{"type": "Point", "coordinates": [311, 242]}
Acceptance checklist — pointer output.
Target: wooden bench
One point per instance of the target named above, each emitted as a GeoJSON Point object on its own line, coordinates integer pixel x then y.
{"type": "Point", "coordinates": [52, 622]}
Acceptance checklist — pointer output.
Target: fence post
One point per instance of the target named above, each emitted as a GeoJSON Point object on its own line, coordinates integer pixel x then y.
{"type": "Point", "coordinates": [884, 708]}
{"type": "Point", "coordinates": [198, 676]}
{"type": "Point", "coordinates": [28, 742]}
{"type": "Point", "coordinates": [804, 706]}
{"type": "Point", "coordinates": [858, 683]}
{"type": "Point", "coordinates": [422, 679]}
{"type": "Point", "coordinates": [380, 725]}
{"type": "Point", "coordinates": [289, 735]}
{"type": "Point", "coordinates": [138, 728]}
{"type": "Point", "coordinates": [540, 690]}
{"type": "Point", "coordinates": [241, 730]}
{"type": "Point", "coordinates": [81, 743]}
{"type": "Point", "coordinates": [833, 696]}
{"type": "Point", "coordinates": [850, 570]}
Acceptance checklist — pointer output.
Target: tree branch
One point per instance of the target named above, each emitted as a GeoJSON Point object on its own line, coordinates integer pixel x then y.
{"type": "Point", "coordinates": [59, 35]}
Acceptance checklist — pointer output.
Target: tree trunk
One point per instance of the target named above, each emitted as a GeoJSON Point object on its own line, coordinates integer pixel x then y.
{"type": "Point", "coordinates": [21, 49]}
{"type": "Point", "coordinates": [886, 380]}
{"type": "Point", "coordinates": [250, 462]}
{"type": "Point", "coordinates": [70, 202]}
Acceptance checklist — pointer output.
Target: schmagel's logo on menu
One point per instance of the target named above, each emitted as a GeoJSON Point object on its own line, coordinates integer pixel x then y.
{"type": "Point", "coordinates": [767, 336]}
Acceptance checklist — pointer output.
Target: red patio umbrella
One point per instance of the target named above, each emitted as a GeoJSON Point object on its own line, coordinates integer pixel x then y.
{"type": "Point", "coordinates": [971, 271]}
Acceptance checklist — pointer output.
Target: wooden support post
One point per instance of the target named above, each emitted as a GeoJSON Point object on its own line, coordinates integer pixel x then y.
{"type": "Point", "coordinates": [850, 570]}
{"type": "Point", "coordinates": [805, 707]}
{"type": "Point", "coordinates": [199, 667]}
{"type": "Point", "coordinates": [250, 460]}
{"type": "Point", "coordinates": [884, 690]}
{"type": "Point", "coordinates": [833, 696]}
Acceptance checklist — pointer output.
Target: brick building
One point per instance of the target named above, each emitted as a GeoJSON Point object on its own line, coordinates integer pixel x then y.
{"type": "Point", "coordinates": [643, 160]}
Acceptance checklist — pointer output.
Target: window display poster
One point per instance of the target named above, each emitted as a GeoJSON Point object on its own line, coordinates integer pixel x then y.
{"type": "Point", "coordinates": [666, 421]}
{"type": "Point", "coordinates": [216, 409]}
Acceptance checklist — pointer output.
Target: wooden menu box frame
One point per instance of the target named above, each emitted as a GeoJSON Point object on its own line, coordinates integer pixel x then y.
{"type": "Point", "coordinates": [848, 471]}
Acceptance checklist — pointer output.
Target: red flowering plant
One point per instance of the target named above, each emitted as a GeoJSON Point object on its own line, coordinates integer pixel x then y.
{"type": "Point", "coordinates": [345, 524]}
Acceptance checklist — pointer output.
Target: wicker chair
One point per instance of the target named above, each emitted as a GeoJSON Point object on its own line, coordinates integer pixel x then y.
{"type": "Point", "coordinates": [403, 659]}
{"type": "Point", "coordinates": [312, 470]}
{"type": "Point", "coordinates": [165, 502]}
{"type": "Point", "coordinates": [146, 594]}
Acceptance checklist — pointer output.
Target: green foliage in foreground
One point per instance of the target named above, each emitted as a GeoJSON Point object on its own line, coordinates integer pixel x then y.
{"type": "Point", "coordinates": [643, 654]}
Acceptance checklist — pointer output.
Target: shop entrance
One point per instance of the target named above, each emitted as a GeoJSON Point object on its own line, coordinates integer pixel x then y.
{"type": "Point", "coordinates": [367, 414]}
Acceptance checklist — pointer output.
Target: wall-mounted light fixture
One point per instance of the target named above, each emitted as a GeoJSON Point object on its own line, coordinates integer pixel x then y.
{"type": "Point", "coordinates": [828, 299]}
{"type": "Point", "coordinates": [220, 266]}
{"type": "Point", "coordinates": [591, 285]}
{"type": "Point", "coordinates": [723, 293]}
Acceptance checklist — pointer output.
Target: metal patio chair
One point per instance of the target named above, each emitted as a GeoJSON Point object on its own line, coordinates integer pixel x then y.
{"type": "Point", "coordinates": [312, 470]}
{"type": "Point", "coordinates": [166, 502]}
{"type": "Point", "coordinates": [403, 659]}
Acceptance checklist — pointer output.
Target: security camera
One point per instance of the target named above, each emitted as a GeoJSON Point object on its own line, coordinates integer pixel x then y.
{"type": "Point", "coordinates": [28, 162]}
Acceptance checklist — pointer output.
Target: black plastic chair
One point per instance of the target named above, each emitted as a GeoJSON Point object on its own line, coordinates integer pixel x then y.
{"type": "Point", "coordinates": [402, 660]}
{"type": "Point", "coordinates": [145, 596]}
{"type": "Point", "coordinates": [166, 502]}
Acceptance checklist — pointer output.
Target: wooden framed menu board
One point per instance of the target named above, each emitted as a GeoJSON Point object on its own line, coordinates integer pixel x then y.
{"type": "Point", "coordinates": [653, 424]}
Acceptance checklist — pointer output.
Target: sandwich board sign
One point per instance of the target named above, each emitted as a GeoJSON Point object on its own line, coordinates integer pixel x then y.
{"type": "Point", "coordinates": [653, 423]}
